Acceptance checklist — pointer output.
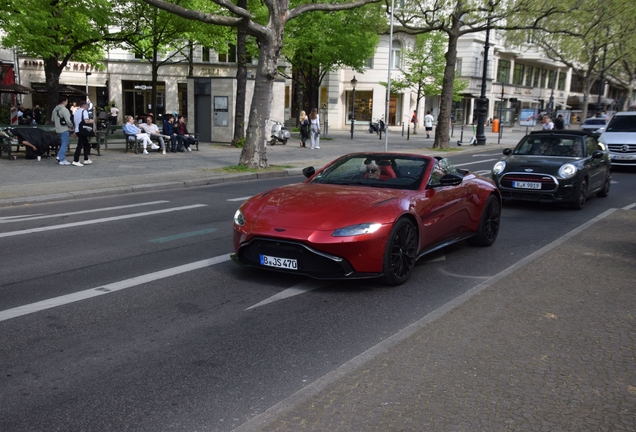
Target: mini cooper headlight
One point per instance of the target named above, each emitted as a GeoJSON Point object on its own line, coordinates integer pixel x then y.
{"type": "Point", "coordinates": [239, 219]}
{"type": "Point", "coordinates": [499, 167]}
{"type": "Point", "coordinates": [567, 171]}
{"type": "Point", "coordinates": [356, 230]}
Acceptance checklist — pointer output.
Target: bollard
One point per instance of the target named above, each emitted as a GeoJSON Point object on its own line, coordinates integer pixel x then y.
{"type": "Point", "coordinates": [403, 128]}
{"type": "Point", "coordinates": [408, 134]}
{"type": "Point", "coordinates": [461, 136]}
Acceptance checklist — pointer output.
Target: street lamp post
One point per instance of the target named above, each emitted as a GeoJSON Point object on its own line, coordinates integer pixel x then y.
{"type": "Point", "coordinates": [482, 102]}
{"type": "Point", "coordinates": [87, 75]}
{"type": "Point", "coordinates": [354, 81]}
{"type": "Point", "coordinates": [551, 101]}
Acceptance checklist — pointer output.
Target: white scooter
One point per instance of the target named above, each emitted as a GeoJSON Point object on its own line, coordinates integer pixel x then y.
{"type": "Point", "coordinates": [279, 133]}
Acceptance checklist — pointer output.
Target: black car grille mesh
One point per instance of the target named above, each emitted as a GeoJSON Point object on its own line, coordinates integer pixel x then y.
{"type": "Point", "coordinates": [309, 262]}
{"type": "Point", "coordinates": [547, 183]}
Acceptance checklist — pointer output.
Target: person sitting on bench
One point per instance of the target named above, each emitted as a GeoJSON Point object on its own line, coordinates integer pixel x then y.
{"type": "Point", "coordinates": [153, 131]}
{"type": "Point", "coordinates": [131, 129]}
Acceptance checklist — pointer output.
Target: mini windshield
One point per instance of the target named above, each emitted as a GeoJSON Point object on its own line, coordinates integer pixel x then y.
{"type": "Point", "coordinates": [375, 170]}
{"type": "Point", "coordinates": [595, 122]}
{"type": "Point", "coordinates": [622, 124]}
{"type": "Point", "coordinates": [542, 145]}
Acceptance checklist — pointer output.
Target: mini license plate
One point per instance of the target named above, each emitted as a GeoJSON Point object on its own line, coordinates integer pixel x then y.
{"type": "Point", "coordinates": [526, 185]}
{"type": "Point", "coordinates": [285, 263]}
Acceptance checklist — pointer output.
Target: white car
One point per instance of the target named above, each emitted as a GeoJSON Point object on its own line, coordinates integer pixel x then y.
{"type": "Point", "coordinates": [619, 137]}
{"type": "Point", "coordinates": [594, 123]}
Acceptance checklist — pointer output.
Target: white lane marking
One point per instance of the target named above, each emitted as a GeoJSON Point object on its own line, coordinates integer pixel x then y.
{"type": "Point", "coordinates": [487, 154]}
{"type": "Point", "coordinates": [312, 389]}
{"type": "Point", "coordinates": [239, 199]}
{"type": "Point", "coordinates": [482, 172]}
{"type": "Point", "coordinates": [476, 162]}
{"type": "Point", "coordinates": [39, 216]}
{"type": "Point", "coordinates": [613, 182]}
{"type": "Point", "coordinates": [109, 288]}
{"type": "Point", "coordinates": [96, 221]}
{"type": "Point", "coordinates": [629, 207]}
{"type": "Point", "coordinates": [436, 259]}
{"type": "Point", "coordinates": [301, 288]}
{"type": "Point", "coordinates": [3, 218]}
{"type": "Point", "coordinates": [462, 276]}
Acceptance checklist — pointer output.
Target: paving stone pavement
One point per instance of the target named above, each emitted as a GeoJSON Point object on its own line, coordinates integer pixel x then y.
{"type": "Point", "coordinates": [115, 171]}
{"type": "Point", "coordinates": [549, 347]}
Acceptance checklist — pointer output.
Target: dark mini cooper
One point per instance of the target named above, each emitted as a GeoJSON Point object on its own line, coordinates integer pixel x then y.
{"type": "Point", "coordinates": [554, 166]}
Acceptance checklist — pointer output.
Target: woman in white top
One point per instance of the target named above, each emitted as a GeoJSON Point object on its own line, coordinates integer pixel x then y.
{"type": "Point", "coordinates": [314, 129]}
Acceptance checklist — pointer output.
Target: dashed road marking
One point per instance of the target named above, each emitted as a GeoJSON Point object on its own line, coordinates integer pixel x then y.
{"type": "Point", "coordinates": [239, 199]}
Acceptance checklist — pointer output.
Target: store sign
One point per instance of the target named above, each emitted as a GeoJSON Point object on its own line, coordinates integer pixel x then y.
{"type": "Point", "coordinates": [143, 87]}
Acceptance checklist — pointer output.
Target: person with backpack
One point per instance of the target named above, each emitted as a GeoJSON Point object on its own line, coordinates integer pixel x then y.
{"type": "Point", "coordinates": [80, 119]}
{"type": "Point", "coordinates": [304, 129]}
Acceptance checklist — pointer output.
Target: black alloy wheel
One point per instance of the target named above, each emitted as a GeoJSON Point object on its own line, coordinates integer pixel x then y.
{"type": "Point", "coordinates": [604, 192]}
{"type": "Point", "coordinates": [488, 224]}
{"type": "Point", "coordinates": [581, 196]}
{"type": "Point", "coordinates": [400, 253]}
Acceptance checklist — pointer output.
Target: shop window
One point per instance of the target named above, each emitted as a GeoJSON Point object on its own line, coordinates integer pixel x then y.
{"type": "Point", "coordinates": [529, 71]}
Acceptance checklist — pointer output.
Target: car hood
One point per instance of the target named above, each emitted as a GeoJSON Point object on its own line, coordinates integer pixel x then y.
{"type": "Point", "coordinates": [618, 138]}
{"type": "Point", "coordinates": [323, 207]}
{"type": "Point", "coordinates": [538, 164]}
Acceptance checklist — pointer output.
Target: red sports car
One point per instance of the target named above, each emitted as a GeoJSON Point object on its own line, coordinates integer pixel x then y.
{"type": "Point", "coordinates": [366, 215]}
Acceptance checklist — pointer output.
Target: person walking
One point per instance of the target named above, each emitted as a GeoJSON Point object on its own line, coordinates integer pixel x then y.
{"type": "Point", "coordinates": [314, 129]}
{"type": "Point", "coordinates": [61, 117]}
{"type": "Point", "coordinates": [81, 115]}
{"type": "Point", "coordinates": [114, 115]}
{"type": "Point", "coordinates": [304, 129]}
{"type": "Point", "coordinates": [428, 123]}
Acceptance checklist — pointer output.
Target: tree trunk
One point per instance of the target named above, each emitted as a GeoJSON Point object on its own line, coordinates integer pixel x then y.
{"type": "Point", "coordinates": [442, 133]}
{"type": "Point", "coordinates": [254, 153]}
{"type": "Point", "coordinates": [52, 73]}
{"type": "Point", "coordinates": [241, 81]}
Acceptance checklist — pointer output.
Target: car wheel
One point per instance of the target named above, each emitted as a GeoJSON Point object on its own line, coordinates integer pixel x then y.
{"type": "Point", "coordinates": [488, 224]}
{"type": "Point", "coordinates": [400, 253]}
{"type": "Point", "coordinates": [606, 186]}
{"type": "Point", "coordinates": [581, 196]}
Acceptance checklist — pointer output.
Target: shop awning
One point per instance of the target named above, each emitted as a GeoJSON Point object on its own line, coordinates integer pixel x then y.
{"type": "Point", "coordinates": [14, 88]}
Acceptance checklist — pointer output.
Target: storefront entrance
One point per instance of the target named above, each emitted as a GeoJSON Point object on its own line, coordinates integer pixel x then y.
{"type": "Point", "coordinates": [138, 99]}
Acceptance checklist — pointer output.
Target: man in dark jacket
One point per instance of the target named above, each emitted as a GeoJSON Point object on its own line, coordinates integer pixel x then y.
{"type": "Point", "coordinates": [182, 132]}
{"type": "Point", "coordinates": [169, 131]}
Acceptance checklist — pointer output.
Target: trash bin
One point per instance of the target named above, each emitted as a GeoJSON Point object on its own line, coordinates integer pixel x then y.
{"type": "Point", "coordinates": [495, 125]}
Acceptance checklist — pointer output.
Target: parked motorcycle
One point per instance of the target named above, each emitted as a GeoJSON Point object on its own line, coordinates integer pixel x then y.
{"type": "Point", "coordinates": [279, 133]}
{"type": "Point", "coordinates": [376, 126]}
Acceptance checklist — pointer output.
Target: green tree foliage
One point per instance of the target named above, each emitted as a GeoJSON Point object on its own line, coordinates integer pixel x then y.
{"type": "Point", "coordinates": [57, 31]}
{"type": "Point", "coordinates": [423, 73]}
{"type": "Point", "coordinates": [459, 17]}
{"type": "Point", "coordinates": [318, 43]}
{"type": "Point", "coordinates": [267, 24]}
{"type": "Point", "coordinates": [592, 39]}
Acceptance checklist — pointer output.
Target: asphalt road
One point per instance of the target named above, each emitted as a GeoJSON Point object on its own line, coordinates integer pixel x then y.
{"type": "Point", "coordinates": [132, 318]}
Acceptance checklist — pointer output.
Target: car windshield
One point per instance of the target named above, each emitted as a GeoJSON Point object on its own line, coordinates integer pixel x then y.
{"type": "Point", "coordinates": [542, 145]}
{"type": "Point", "coordinates": [622, 124]}
{"type": "Point", "coordinates": [595, 122]}
{"type": "Point", "coordinates": [375, 170]}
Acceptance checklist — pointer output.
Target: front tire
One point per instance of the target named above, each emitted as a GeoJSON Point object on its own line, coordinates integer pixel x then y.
{"type": "Point", "coordinates": [581, 196]}
{"type": "Point", "coordinates": [284, 142]}
{"type": "Point", "coordinates": [606, 186]}
{"type": "Point", "coordinates": [400, 253]}
{"type": "Point", "coordinates": [488, 224]}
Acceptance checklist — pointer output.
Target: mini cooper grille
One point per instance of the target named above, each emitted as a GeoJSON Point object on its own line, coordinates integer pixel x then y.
{"type": "Point", "coordinates": [547, 183]}
{"type": "Point", "coordinates": [622, 148]}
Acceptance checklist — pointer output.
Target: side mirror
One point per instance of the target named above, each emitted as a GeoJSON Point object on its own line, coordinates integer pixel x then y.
{"type": "Point", "coordinates": [507, 151]}
{"type": "Point", "coordinates": [451, 180]}
{"type": "Point", "coordinates": [597, 154]}
{"type": "Point", "coordinates": [309, 171]}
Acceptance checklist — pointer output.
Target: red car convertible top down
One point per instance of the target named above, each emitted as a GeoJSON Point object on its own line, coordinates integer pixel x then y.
{"type": "Point", "coordinates": [366, 215]}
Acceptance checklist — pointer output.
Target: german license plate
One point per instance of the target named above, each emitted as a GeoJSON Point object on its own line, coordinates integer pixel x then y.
{"type": "Point", "coordinates": [285, 263]}
{"type": "Point", "coordinates": [526, 185]}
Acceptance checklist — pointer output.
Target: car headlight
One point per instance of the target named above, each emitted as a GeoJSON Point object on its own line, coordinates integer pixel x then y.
{"type": "Point", "coordinates": [499, 167]}
{"type": "Point", "coordinates": [356, 230]}
{"type": "Point", "coordinates": [567, 171]}
{"type": "Point", "coordinates": [239, 219]}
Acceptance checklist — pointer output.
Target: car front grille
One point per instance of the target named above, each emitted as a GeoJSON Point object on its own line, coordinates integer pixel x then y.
{"type": "Point", "coordinates": [622, 148]}
{"type": "Point", "coordinates": [310, 262]}
{"type": "Point", "coordinates": [548, 183]}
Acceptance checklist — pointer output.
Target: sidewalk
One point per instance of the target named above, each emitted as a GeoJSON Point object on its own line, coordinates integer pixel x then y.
{"type": "Point", "coordinates": [548, 345]}
{"type": "Point", "coordinates": [28, 181]}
